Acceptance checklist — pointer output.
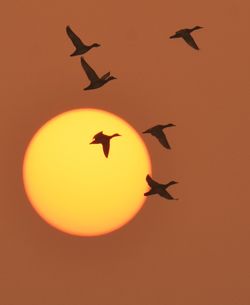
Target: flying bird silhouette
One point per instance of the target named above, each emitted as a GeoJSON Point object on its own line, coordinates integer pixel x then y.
{"type": "Point", "coordinates": [157, 131]}
{"type": "Point", "coordinates": [101, 138]}
{"type": "Point", "coordinates": [81, 48]}
{"type": "Point", "coordinates": [186, 35]}
{"type": "Point", "coordinates": [160, 189]}
{"type": "Point", "coordinates": [95, 80]}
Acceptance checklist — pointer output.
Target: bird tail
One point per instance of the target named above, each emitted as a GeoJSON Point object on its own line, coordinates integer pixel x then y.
{"type": "Point", "coordinates": [150, 192]}
{"type": "Point", "coordinates": [75, 53]}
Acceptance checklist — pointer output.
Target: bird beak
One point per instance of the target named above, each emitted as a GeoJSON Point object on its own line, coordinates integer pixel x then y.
{"type": "Point", "coordinates": [145, 131]}
{"type": "Point", "coordinates": [92, 142]}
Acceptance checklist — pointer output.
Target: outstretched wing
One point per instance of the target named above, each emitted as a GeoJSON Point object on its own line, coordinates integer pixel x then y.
{"type": "Point", "coordinates": [106, 75]}
{"type": "Point", "coordinates": [105, 147]}
{"type": "Point", "coordinates": [150, 130]}
{"type": "Point", "coordinates": [165, 194]}
{"type": "Point", "coordinates": [162, 139]}
{"type": "Point", "coordinates": [92, 76]}
{"type": "Point", "coordinates": [74, 38]}
{"type": "Point", "coordinates": [151, 182]}
{"type": "Point", "coordinates": [189, 40]}
{"type": "Point", "coordinates": [98, 134]}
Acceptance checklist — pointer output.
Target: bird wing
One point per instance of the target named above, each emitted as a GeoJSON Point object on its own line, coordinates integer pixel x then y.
{"type": "Point", "coordinates": [74, 38]}
{"type": "Point", "coordinates": [151, 182]}
{"type": "Point", "coordinates": [165, 194]}
{"type": "Point", "coordinates": [147, 131]}
{"type": "Point", "coordinates": [162, 139]}
{"type": "Point", "coordinates": [92, 76]}
{"type": "Point", "coordinates": [153, 130]}
{"type": "Point", "coordinates": [105, 147]}
{"type": "Point", "coordinates": [189, 40]}
{"type": "Point", "coordinates": [98, 134]}
{"type": "Point", "coordinates": [106, 75]}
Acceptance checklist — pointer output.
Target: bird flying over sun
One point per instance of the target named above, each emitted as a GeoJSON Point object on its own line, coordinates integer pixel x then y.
{"type": "Point", "coordinates": [186, 35]}
{"type": "Point", "coordinates": [81, 48]}
{"type": "Point", "coordinates": [72, 186]}
{"type": "Point", "coordinates": [101, 138]}
{"type": "Point", "coordinates": [95, 80]}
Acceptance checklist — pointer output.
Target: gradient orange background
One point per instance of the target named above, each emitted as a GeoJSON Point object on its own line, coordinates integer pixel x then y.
{"type": "Point", "coordinates": [191, 252]}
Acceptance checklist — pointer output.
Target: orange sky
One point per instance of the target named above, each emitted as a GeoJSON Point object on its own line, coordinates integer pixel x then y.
{"type": "Point", "coordinates": [191, 252]}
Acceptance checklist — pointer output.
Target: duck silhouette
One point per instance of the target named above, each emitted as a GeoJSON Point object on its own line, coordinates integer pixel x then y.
{"type": "Point", "coordinates": [101, 138]}
{"type": "Point", "coordinates": [81, 48]}
{"type": "Point", "coordinates": [157, 131]}
{"type": "Point", "coordinates": [160, 189]}
{"type": "Point", "coordinates": [186, 35]}
{"type": "Point", "coordinates": [95, 80]}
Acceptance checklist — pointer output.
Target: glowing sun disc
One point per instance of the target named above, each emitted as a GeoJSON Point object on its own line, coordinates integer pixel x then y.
{"type": "Point", "coordinates": [73, 186]}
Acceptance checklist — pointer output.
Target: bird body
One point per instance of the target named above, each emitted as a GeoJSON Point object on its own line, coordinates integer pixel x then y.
{"type": "Point", "coordinates": [101, 138]}
{"type": "Point", "coordinates": [81, 48]}
{"type": "Point", "coordinates": [158, 188]}
{"type": "Point", "coordinates": [95, 80]}
{"type": "Point", "coordinates": [157, 131]}
{"type": "Point", "coordinates": [186, 35]}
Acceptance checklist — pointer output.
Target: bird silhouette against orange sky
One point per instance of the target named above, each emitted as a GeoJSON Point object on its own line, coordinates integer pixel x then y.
{"type": "Point", "coordinates": [95, 80]}
{"type": "Point", "coordinates": [157, 131]}
{"type": "Point", "coordinates": [81, 48]}
{"type": "Point", "coordinates": [158, 188]}
{"type": "Point", "coordinates": [186, 35]}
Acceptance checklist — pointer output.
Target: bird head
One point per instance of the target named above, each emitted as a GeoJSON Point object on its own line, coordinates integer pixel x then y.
{"type": "Point", "coordinates": [116, 135]}
{"type": "Point", "coordinates": [170, 125]}
{"type": "Point", "coordinates": [198, 27]}
{"type": "Point", "coordinates": [172, 183]}
{"type": "Point", "coordinates": [95, 45]}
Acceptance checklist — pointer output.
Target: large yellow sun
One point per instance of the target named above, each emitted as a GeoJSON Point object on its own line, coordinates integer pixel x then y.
{"type": "Point", "coordinates": [73, 186]}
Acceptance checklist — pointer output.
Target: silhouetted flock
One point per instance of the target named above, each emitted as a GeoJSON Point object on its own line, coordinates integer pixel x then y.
{"type": "Point", "coordinates": [97, 82]}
